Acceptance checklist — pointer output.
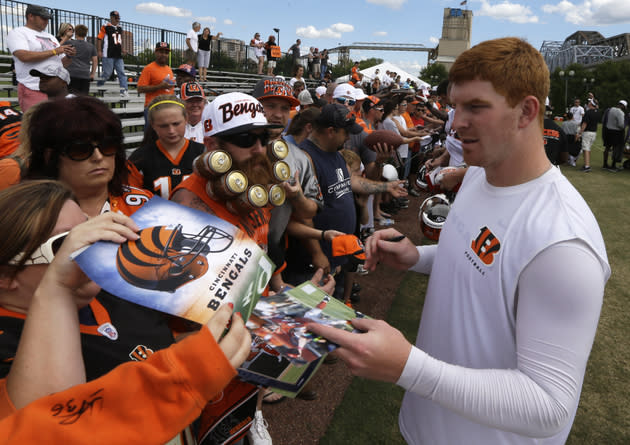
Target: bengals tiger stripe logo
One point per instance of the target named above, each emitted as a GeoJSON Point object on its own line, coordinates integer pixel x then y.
{"type": "Point", "coordinates": [486, 246]}
{"type": "Point", "coordinates": [140, 353]}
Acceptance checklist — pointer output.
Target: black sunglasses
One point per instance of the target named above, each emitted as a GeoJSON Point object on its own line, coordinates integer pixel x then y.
{"type": "Point", "coordinates": [80, 151]}
{"type": "Point", "coordinates": [246, 140]}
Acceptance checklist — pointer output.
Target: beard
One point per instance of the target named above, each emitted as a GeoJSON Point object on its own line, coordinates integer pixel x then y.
{"type": "Point", "coordinates": [258, 169]}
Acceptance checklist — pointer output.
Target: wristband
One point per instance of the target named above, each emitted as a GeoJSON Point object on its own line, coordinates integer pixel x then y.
{"type": "Point", "coordinates": [323, 233]}
{"type": "Point", "coordinates": [54, 52]}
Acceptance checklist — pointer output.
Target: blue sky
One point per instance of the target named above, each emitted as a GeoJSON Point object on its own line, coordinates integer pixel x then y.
{"type": "Point", "coordinates": [327, 23]}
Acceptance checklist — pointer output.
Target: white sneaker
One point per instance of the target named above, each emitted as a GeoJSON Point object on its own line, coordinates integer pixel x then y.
{"type": "Point", "coordinates": [124, 94]}
{"type": "Point", "coordinates": [258, 434]}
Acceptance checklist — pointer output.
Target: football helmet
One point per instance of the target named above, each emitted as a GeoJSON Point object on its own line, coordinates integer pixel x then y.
{"type": "Point", "coordinates": [431, 181]}
{"type": "Point", "coordinates": [165, 258]}
{"type": "Point", "coordinates": [432, 215]}
{"type": "Point", "coordinates": [421, 180]}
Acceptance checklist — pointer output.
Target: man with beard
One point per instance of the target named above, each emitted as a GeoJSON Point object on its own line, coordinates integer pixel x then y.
{"type": "Point", "coordinates": [236, 124]}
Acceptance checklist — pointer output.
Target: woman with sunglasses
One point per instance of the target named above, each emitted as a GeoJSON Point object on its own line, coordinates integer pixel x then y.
{"type": "Point", "coordinates": [79, 142]}
{"type": "Point", "coordinates": [66, 31]}
{"type": "Point", "coordinates": [47, 344]}
{"type": "Point", "coordinates": [165, 158]}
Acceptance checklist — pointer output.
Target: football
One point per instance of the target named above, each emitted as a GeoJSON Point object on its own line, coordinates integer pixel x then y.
{"type": "Point", "coordinates": [384, 137]}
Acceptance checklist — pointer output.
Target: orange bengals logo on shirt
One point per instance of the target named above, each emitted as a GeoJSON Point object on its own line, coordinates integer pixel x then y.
{"type": "Point", "coordinates": [140, 353]}
{"type": "Point", "coordinates": [486, 246]}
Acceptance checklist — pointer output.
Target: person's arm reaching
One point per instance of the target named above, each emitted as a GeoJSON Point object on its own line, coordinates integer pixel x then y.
{"type": "Point", "coordinates": [556, 321]}
{"type": "Point", "coordinates": [129, 404]}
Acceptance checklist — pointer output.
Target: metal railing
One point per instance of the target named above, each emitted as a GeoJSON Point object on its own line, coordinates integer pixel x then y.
{"type": "Point", "coordinates": [138, 40]}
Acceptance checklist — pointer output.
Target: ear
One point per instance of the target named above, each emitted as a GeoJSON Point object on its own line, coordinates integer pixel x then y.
{"type": "Point", "coordinates": [530, 107]}
{"type": "Point", "coordinates": [210, 142]}
{"type": "Point", "coordinates": [309, 128]}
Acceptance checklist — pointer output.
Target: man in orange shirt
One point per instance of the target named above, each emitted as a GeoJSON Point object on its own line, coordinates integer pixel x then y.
{"type": "Point", "coordinates": [157, 77]}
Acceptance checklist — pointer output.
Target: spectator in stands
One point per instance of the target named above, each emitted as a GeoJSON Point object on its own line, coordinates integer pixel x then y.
{"type": "Point", "coordinates": [324, 63]}
{"type": "Point", "coordinates": [310, 58]}
{"type": "Point", "coordinates": [273, 54]}
{"type": "Point", "coordinates": [192, 44]}
{"type": "Point", "coordinates": [110, 50]}
{"type": "Point", "coordinates": [259, 51]}
{"type": "Point", "coordinates": [295, 52]}
{"type": "Point", "coordinates": [33, 47]}
{"type": "Point", "coordinates": [205, 52]}
{"type": "Point", "coordinates": [316, 66]}
{"type": "Point", "coordinates": [185, 73]}
{"type": "Point", "coordinates": [298, 73]}
{"type": "Point", "coordinates": [165, 157]}
{"type": "Point", "coordinates": [53, 81]}
{"type": "Point", "coordinates": [195, 99]}
{"type": "Point", "coordinates": [83, 67]}
{"type": "Point", "coordinates": [157, 77]}
{"type": "Point", "coordinates": [66, 31]}
{"type": "Point", "coordinates": [298, 87]}
{"type": "Point", "coordinates": [355, 76]}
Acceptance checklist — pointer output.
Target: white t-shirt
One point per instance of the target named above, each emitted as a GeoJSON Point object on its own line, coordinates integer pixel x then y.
{"type": "Point", "coordinates": [511, 310]}
{"type": "Point", "coordinates": [28, 39]}
{"type": "Point", "coordinates": [578, 113]}
{"type": "Point", "coordinates": [194, 39]}
{"type": "Point", "coordinates": [389, 124]}
{"type": "Point", "coordinates": [453, 145]}
{"type": "Point", "coordinates": [195, 132]}
{"type": "Point", "coordinates": [260, 52]}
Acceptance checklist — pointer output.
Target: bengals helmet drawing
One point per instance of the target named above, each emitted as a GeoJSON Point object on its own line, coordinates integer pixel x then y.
{"type": "Point", "coordinates": [165, 258]}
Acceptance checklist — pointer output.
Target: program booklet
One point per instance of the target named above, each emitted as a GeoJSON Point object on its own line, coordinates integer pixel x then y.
{"type": "Point", "coordinates": [186, 263]}
{"type": "Point", "coordinates": [284, 354]}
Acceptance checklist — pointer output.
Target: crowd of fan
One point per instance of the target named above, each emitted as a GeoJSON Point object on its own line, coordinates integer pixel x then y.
{"type": "Point", "coordinates": [339, 185]}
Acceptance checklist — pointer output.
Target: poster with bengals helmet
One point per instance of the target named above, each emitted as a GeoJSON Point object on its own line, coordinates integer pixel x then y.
{"type": "Point", "coordinates": [186, 263]}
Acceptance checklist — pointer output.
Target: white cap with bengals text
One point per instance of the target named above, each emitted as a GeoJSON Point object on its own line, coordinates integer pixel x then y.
{"type": "Point", "coordinates": [233, 113]}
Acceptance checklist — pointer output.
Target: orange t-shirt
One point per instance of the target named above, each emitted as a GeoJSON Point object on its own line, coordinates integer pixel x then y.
{"type": "Point", "coordinates": [9, 172]}
{"type": "Point", "coordinates": [255, 224]}
{"type": "Point", "coordinates": [154, 74]}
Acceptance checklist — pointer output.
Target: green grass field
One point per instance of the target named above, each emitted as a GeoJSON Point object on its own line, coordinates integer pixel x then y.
{"type": "Point", "coordinates": [369, 411]}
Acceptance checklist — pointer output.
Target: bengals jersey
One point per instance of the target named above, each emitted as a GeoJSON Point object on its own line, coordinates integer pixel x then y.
{"type": "Point", "coordinates": [10, 124]}
{"type": "Point", "coordinates": [131, 200]}
{"type": "Point", "coordinates": [112, 40]}
{"type": "Point", "coordinates": [113, 331]}
{"type": "Point", "coordinates": [157, 171]}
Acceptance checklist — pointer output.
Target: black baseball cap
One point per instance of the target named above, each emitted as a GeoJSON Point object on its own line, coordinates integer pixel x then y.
{"type": "Point", "coordinates": [114, 14]}
{"type": "Point", "coordinates": [41, 11]}
{"type": "Point", "coordinates": [336, 116]}
{"type": "Point", "coordinates": [163, 45]}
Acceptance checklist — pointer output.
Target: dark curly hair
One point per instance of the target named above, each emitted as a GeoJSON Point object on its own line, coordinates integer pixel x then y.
{"type": "Point", "coordinates": [54, 124]}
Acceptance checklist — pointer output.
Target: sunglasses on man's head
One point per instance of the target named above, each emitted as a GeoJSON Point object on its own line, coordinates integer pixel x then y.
{"type": "Point", "coordinates": [246, 139]}
{"type": "Point", "coordinates": [80, 151]}
{"type": "Point", "coordinates": [346, 101]}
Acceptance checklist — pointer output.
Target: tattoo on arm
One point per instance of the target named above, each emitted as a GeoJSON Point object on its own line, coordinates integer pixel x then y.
{"type": "Point", "coordinates": [189, 199]}
{"type": "Point", "coordinates": [365, 186]}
